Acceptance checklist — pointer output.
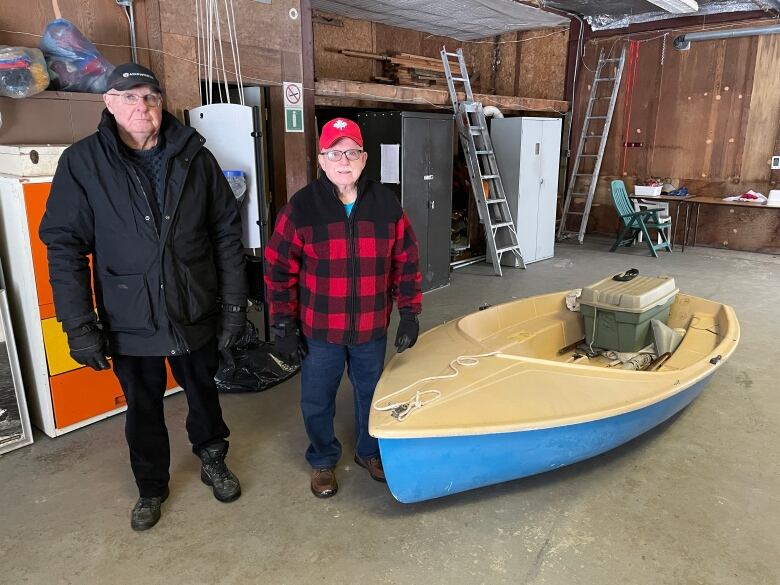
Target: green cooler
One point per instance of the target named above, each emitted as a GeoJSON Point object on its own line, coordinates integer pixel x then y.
{"type": "Point", "coordinates": [617, 313]}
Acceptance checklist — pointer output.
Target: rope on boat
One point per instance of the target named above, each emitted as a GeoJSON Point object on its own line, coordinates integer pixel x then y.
{"type": "Point", "coordinates": [402, 409]}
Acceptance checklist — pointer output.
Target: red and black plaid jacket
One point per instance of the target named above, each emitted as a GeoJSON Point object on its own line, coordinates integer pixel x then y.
{"type": "Point", "coordinates": [338, 275]}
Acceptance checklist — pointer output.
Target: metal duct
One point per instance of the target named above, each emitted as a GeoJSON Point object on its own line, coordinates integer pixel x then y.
{"type": "Point", "coordinates": [492, 111]}
{"type": "Point", "coordinates": [683, 42]}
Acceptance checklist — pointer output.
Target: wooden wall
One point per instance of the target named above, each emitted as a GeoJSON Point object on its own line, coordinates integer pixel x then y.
{"type": "Point", "coordinates": [270, 43]}
{"type": "Point", "coordinates": [525, 64]}
{"type": "Point", "coordinates": [708, 118]}
{"type": "Point", "coordinates": [101, 23]}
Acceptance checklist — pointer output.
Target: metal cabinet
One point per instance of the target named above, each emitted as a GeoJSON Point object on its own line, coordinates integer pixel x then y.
{"type": "Point", "coordinates": [528, 155]}
{"type": "Point", "coordinates": [411, 154]}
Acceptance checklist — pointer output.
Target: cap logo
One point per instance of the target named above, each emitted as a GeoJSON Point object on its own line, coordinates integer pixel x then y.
{"type": "Point", "coordinates": [141, 74]}
{"type": "Point", "coordinates": [339, 124]}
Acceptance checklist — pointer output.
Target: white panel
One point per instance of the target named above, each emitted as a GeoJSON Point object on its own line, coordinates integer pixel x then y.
{"type": "Point", "coordinates": [228, 129]}
{"type": "Point", "coordinates": [548, 195]}
{"type": "Point", "coordinates": [23, 300]}
{"type": "Point", "coordinates": [528, 204]}
{"type": "Point", "coordinates": [15, 428]}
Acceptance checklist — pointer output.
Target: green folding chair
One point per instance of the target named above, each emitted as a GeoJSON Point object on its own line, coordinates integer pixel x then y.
{"type": "Point", "coordinates": [638, 222]}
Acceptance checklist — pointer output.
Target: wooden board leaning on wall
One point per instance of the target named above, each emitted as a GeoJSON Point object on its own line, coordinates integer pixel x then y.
{"type": "Point", "coordinates": [407, 69]}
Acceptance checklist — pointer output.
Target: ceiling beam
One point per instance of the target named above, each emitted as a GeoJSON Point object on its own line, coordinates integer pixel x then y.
{"type": "Point", "coordinates": [430, 97]}
{"type": "Point", "coordinates": [677, 23]}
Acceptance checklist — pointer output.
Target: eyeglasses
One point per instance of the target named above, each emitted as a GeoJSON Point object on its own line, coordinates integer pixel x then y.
{"type": "Point", "coordinates": [335, 155]}
{"type": "Point", "coordinates": [153, 100]}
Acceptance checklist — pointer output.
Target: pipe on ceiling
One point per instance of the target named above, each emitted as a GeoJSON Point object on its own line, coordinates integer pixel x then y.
{"type": "Point", "coordinates": [683, 42]}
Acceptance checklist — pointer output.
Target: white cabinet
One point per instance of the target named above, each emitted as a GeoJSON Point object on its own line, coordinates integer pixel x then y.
{"type": "Point", "coordinates": [528, 155]}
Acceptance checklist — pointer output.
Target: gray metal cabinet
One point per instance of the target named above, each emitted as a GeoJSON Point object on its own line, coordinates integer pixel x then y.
{"type": "Point", "coordinates": [528, 155]}
{"type": "Point", "coordinates": [411, 154]}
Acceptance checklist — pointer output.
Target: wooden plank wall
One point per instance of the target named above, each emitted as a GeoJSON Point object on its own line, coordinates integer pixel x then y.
{"type": "Point", "coordinates": [269, 40]}
{"type": "Point", "coordinates": [541, 55]}
{"type": "Point", "coordinates": [707, 118]}
{"type": "Point", "coordinates": [101, 23]}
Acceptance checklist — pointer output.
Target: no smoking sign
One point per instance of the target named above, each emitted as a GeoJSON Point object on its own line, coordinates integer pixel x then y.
{"type": "Point", "coordinates": [293, 95]}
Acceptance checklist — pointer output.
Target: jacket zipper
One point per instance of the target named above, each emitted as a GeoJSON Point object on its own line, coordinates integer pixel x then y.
{"type": "Point", "coordinates": [180, 343]}
{"type": "Point", "coordinates": [352, 333]}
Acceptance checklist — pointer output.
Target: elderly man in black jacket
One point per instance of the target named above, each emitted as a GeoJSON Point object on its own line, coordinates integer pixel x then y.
{"type": "Point", "coordinates": [147, 201]}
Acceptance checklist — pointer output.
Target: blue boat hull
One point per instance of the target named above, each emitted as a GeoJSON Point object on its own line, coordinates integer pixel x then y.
{"type": "Point", "coordinates": [420, 469]}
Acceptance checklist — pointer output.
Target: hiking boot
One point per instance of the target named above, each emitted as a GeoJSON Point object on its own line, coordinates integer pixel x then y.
{"type": "Point", "coordinates": [214, 473]}
{"type": "Point", "coordinates": [374, 467]}
{"type": "Point", "coordinates": [146, 512]}
{"type": "Point", "coordinates": [323, 482]}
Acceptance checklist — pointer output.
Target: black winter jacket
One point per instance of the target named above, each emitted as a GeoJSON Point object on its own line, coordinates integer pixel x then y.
{"type": "Point", "coordinates": [143, 276]}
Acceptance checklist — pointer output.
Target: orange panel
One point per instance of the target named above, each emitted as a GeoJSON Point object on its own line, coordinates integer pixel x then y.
{"type": "Point", "coordinates": [84, 393]}
{"type": "Point", "coordinates": [47, 311]}
{"type": "Point", "coordinates": [35, 196]}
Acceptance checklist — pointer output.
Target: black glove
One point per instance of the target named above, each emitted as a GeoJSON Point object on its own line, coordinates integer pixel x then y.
{"type": "Point", "coordinates": [232, 324]}
{"type": "Point", "coordinates": [88, 345]}
{"type": "Point", "coordinates": [408, 330]}
{"type": "Point", "coordinates": [288, 343]}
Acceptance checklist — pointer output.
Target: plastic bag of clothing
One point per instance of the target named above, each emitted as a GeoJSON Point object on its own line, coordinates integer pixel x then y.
{"type": "Point", "coordinates": [250, 366]}
{"type": "Point", "coordinates": [22, 72]}
{"type": "Point", "coordinates": [74, 63]}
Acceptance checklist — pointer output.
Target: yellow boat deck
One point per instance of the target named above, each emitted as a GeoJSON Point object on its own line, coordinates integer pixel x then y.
{"type": "Point", "coordinates": [522, 380]}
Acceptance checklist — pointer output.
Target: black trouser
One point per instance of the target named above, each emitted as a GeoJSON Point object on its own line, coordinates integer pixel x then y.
{"type": "Point", "coordinates": [143, 380]}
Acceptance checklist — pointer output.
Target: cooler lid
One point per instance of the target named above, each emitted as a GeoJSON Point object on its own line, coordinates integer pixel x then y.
{"type": "Point", "coordinates": [634, 296]}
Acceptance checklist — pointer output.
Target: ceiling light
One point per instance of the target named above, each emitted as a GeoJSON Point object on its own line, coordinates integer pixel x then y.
{"type": "Point", "coordinates": [677, 6]}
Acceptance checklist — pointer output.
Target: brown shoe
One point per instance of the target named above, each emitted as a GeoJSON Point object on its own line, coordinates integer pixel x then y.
{"type": "Point", "coordinates": [374, 467]}
{"type": "Point", "coordinates": [323, 482]}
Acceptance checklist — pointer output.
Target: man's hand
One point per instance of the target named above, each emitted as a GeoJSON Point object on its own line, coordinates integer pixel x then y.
{"type": "Point", "coordinates": [408, 330]}
{"type": "Point", "coordinates": [88, 345]}
{"type": "Point", "coordinates": [232, 325]}
{"type": "Point", "coordinates": [288, 343]}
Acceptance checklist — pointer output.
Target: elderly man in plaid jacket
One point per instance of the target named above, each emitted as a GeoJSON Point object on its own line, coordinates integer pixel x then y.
{"type": "Point", "coordinates": [342, 251]}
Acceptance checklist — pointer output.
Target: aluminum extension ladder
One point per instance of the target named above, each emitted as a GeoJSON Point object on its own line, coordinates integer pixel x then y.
{"type": "Point", "coordinates": [483, 169]}
{"type": "Point", "coordinates": [583, 182]}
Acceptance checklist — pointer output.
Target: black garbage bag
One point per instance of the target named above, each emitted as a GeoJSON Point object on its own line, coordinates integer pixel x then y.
{"type": "Point", "coordinates": [249, 366]}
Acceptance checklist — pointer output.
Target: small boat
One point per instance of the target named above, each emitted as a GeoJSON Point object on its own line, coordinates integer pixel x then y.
{"type": "Point", "coordinates": [508, 392]}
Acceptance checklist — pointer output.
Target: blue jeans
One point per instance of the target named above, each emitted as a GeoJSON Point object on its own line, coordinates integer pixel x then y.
{"type": "Point", "coordinates": [321, 373]}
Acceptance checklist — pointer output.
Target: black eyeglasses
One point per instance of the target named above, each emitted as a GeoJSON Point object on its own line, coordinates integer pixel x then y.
{"type": "Point", "coordinates": [153, 100]}
{"type": "Point", "coordinates": [335, 155]}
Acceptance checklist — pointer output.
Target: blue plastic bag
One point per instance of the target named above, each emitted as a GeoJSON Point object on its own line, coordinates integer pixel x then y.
{"type": "Point", "coordinates": [74, 63]}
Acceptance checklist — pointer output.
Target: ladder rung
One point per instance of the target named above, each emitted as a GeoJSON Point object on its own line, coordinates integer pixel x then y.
{"type": "Point", "coordinates": [576, 213]}
{"type": "Point", "coordinates": [458, 79]}
{"type": "Point", "coordinates": [594, 136]}
{"type": "Point", "coordinates": [615, 60]}
{"type": "Point", "coordinates": [502, 224]}
{"type": "Point", "coordinates": [605, 78]}
{"type": "Point", "coordinates": [452, 55]}
{"type": "Point", "coordinates": [484, 152]}
{"type": "Point", "coordinates": [507, 249]}
{"type": "Point", "coordinates": [495, 200]}
{"type": "Point", "coordinates": [490, 176]}
{"type": "Point", "coordinates": [476, 129]}
{"type": "Point", "coordinates": [596, 118]}
{"type": "Point", "coordinates": [588, 155]}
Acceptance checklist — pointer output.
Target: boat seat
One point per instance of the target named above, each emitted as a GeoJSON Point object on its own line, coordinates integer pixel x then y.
{"type": "Point", "coordinates": [540, 337]}
{"type": "Point", "coordinates": [697, 343]}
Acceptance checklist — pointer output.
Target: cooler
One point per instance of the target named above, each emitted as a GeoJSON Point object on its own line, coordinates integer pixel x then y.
{"type": "Point", "coordinates": [617, 313]}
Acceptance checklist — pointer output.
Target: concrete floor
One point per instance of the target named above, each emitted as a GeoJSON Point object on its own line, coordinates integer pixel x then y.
{"type": "Point", "coordinates": [694, 501]}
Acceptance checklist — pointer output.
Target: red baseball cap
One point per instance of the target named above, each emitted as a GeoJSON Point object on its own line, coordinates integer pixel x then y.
{"type": "Point", "coordinates": [340, 128]}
